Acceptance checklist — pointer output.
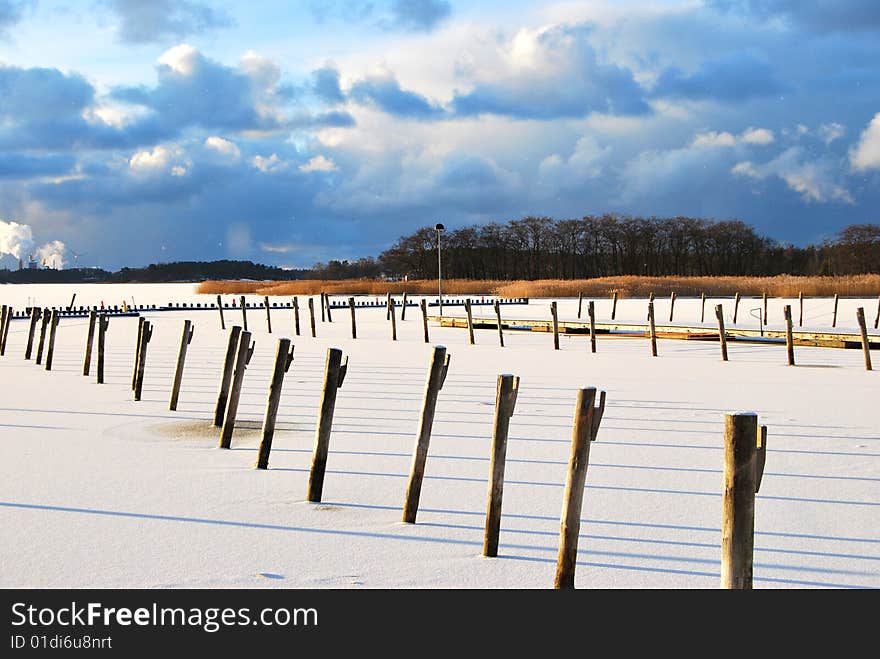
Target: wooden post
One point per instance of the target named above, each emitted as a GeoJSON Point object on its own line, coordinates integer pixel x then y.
{"type": "Point", "coordinates": [583, 433]}
{"type": "Point", "coordinates": [35, 316]}
{"type": "Point", "coordinates": [498, 318]}
{"type": "Point", "coordinates": [866, 347]}
{"type": "Point", "coordinates": [433, 384]}
{"type": "Point", "coordinates": [321, 302]}
{"type": "Point", "coordinates": [738, 503]}
{"type": "Point", "coordinates": [243, 313]}
{"type": "Point", "coordinates": [388, 303]}
{"type": "Point", "coordinates": [591, 310]}
{"type": "Point", "coordinates": [296, 314]}
{"type": "Point", "coordinates": [403, 307]}
{"type": "Point", "coordinates": [735, 307]}
{"type": "Point", "coordinates": [334, 374]}
{"type": "Point", "coordinates": [354, 333]}
{"type": "Point", "coordinates": [702, 307]}
{"type": "Point", "coordinates": [142, 359]}
{"type": "Point", "coordinates": [312, 315]}
{"type": "Point", "coordinates": [5, 318]}
{"type": "Point", "coordinates": [614, 305]}
{"type": "Point", "coordinates": [72, 299]}
{"type": "Point", "coordinates": [46, 317]}
{"type": "Point", "coordinates": [268, 315]}
{"type": "Point", "coordinates": [671, 305]}
{"type": "Point", "coordinates": [801, 304]}
{"type": "Point", "coordinates": [877, 317]}
{"type": "Point", "coordinates": [327, 302]}
{"type": "Point", "coordinates": [653, 329]}
{"type": "Point", "coordinates": [470, 320]}
{"type": "Point", "coordinates": [90, 339]}
{"type": "Point", "coordinates": [764, 314]}
{"type": "Point", "coordinates": [789, 339]}
{"type": "Point", "coordinates": [50, 350]}
{"type": "Point", "coordinates": [393, 319]}
{"type": "Point", "coordinates": [185, 339]}
{"type": "Point", "coordinates": [834, 318]}
{"type": "Point", "coordinates": [283, 360]}
{"type": "Point", "coordinates": [580, 302]}
{"type": "Point", "coordinates": [424, 306]}
{"type": "Point", "coordinates": [242, 359]}
{"type": "Point", "coordinates": [505, 401]}
{"type": "Point", "coordinates": [226, 377]}
{"type": "Point", "coordinates": [722, 337]}
{"type": "Point", "coordinates": [137, 352]}
{"type": "Point", "coordinates": [555, 325]}
{"type": "Point", "coordinates": [220, 309]}
{"type": "Point", "coordinates": [9, 314]}
{"type": "Point", "coordinates": [103, 324]}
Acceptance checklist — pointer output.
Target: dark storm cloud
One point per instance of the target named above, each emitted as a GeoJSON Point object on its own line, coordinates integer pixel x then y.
{"type": "Point", "coordinates": [147, 21]}
{"type": "Point", "coordinates": [733, 78]}
{"type": "Point", "coordinates": [827, 16]}
{"type": "Point", "coordinates": [385, 93]}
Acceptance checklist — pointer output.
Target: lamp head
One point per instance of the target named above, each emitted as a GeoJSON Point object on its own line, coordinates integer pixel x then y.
{"type": "Point", "coordinates": [439, 227]}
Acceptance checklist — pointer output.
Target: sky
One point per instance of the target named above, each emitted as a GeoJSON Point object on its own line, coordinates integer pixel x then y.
{"type": "Point", "coordinates": [289, 133]}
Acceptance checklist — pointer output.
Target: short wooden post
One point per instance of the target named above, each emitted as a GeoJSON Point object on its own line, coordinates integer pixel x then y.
{"type": "Point", "coordinates": [671, 305]}
{"type": "Point", "coordinates": [735, 307]}
{"type": "Point", "coordinates": [505, 400]}
{"type": "Point", "coordinates": [334, 374]}
{"type": "Point", "coordinates": [433, 384]}
{"type": "Point", "coordinates": [220, 309]}
{"type": "Point", "coordinates": [268, 315]}
{"type": "Point", "coordinates": [801, 304]}
{"type": "Point", "coordinates": [354, 333]}
{"type": "Point", "coordinates": [185, 339]}
{"type": "Point", "coordinates": [866, 347]}
{"type": "Point", "coordinates": [226, 377]}
{"type": "Point", "coordinates": [312, 315]}
{"type": "Point", "coordinates": [103, 324]}
{"type": "Point", "coordinates": [789, 339]}
{"type": "Point", "coordinates": [242, 359]}
{"type": "Point", "coordinates": [555, 325]}
{"type": "Point", "coordinates": [760, 456]}
{"type": "Point", "coordinates": [591, 310]}
{"type": "Point", "coordinates": [296, 314]}
{"type": "Point", "coordinates": [137, 352]}
{"type": "Point", "coordinates": [403, 307]}
{"type": "Point", "coordinates": [722, 337]}
{"type": "Point", "coordinates": [424, 306]}
{"type": "Point", "coordinates": [90, 339]}
{"type": "Point", "coordinates": [580, 303]}
{"type": "Point", "coordinates": [614, 305]}
{"type": "Point", "coordinates": [834, 318]}
{"type": "Point", "coordinates": [653, 329]}
{"type": "Point", "coordinates": [283, 360]}
{"type": "Point", "coordinates": [738, 503]}
{"type": "Point", "coordinates": [393, 319]}
{"type": "Point", "coordinates": [470, 320]}
{"type": "Point", "coordinates": [583, 433]}
{"type": "Point", "coordinates": [50, 351]}
{"type": "Point", "coordinates": [327, 302]}
{"type": "Point", "coordinates": [35, 316]}
{"type": "Point", "coordinates": [46, 317]}
{"type": "Point", "coordinates": [498, 319]}
{"type": "Point", "coordinates": [142, 359]}
{"type": "Point", "coordinates": [702, 307]}
{"type": "Point", "coordinates": [243, 313]}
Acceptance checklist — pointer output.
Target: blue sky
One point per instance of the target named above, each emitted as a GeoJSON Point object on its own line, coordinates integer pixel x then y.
{"type": "Point", "coordinates": [293, 132]}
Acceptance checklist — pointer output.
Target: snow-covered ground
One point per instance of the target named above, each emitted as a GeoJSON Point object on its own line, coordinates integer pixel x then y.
{"type": "Point", "coordinates": [98, 490]}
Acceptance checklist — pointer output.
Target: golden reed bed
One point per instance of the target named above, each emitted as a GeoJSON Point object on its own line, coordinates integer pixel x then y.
{"type": "Point", "coordinates": [628, 286]}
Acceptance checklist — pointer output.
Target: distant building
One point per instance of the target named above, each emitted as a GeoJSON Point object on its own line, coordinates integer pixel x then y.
{"type": "Point", "coordinates": [32, 262]}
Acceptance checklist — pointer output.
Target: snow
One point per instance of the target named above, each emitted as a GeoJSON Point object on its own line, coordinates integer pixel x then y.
{"type": "Point", "coordinates": [98, 490]}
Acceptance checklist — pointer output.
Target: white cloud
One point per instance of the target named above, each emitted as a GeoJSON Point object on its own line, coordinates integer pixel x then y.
{"type": "Point", "coordinates": [268, 163]}
{"type": "Point", "coordinates": [319, 164]}
{"type": "Point", "coordinates": [713, 139]}
{"type": "Point", "coordinates": [160, 159]}
{"type": "Point", "coordinates": [758, 136]}
{"type": "Point", "coordinates": [181, 59]}
{"type": "Point", "coordinates": [223, 147]}
{"type": "Point", "coordinates": [813, 180]}
{"type": "Point", "coordinates": [866, 154]}
{"type": "Point", "coordinates": [831, 132]}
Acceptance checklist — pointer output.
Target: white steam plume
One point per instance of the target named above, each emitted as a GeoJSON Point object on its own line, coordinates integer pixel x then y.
{"type": "Point", "coordinates": [16, 239]}
{"type": "Point", "coordinates": [52, 254]}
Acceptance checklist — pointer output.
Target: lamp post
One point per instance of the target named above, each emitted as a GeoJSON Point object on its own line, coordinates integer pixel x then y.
{"type": "Point", "coordinates": [439, 227]}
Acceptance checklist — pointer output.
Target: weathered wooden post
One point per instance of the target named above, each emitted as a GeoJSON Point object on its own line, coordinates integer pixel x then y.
{"type": "Point", "coordinates": [185, 339]}
{"type": "Point", "coordinates": [44, 324]}
{"type": "Point", "coordinates": [296, 314]}
{"type": "Point", "coordinates": [614, 306]}
{"type": "Point", "coordinates": [591, 310]}
{"type": "Point", "coordinates": [50, 351]}
{"type": "Point", "coordinates": [334, 374]}
{"type": "Point", "coordinates": [789, 339]}
{"type": "Point", "coordinates": [283, 360]}
{"type": "Point", "coordinates": [327, 302]}
{"type": "Point", "coordinates": [268, 315]}
{"type": "Point", "coordinates": [9, 313]}
{"type": "Point", "coordinates": [226, 377]}
{"type": "Point", "coordinates": [498, 319]}
{"type": "Point", "coordinates": [702, 307]}
{"type": "Point", "coordinates": [722, 337]}
{"type": "Point", "coordinates": [403, 307]}
{"type": "Point", "coordinates": [877, 317]}
{"type": "Point", "coordinates": [801, 304]}
{"type": "Point", "coordinates": [321, 302]}
{"type": "Point", "coordinates": [505, 400]}
{"type": "Point", "coordinates": [220, 309]}
{"type": "Point", "coordinates": [653, 329]}
{"type": "Point", "coordinates": [671, 305]}
{"type": "Point", "coordinates": [312, 315]}
{"type": "Point", "coordinates": [354, 333]}
{"type": "Point", "coordinates": [146, 335]}
{"type": "Point", "coordinates": [735, 307]}
{"type": "Point", "coordinates": [760, 456]}
{"type": "Point", "coordinates": [103, 324]}
{"type": "Point", "coordinates": [388, 303]}
{"type": "Point", "coordinates": [866, 347]}
{"type": "Point", "coordinates": [243, 312]}
{"type": "Point", "coordinates": [738, 502]}
{"type": "Point", "coordinates": [243, 358]}
{"type": "Point", "coordinates": [90, 339]}
{"type": "Point", "coordinates": [433, 384]}
{"type": "Point", "coordinates": [35, 316]}
{"type": "Point", "coordinates": [137, 352]}
{"type": "Point", "coordinates": [587, 418]}
{"type": "Point", "coordinates": [5, 314]}
{"type": "Point", "coordinates": [764, 314]}
{"type": "Point", "coordinates": [393, 319]}
{"type": "Point", "coordinates": [555, 325]}
{"type": "Point", "coordinates": [470, 320]}
{"type": "Point", "coordinates": [834, 318]}
{"type": "Point", "coordinates": [580, 303]}
{"type": "Point", "coordinates": [424, 306]}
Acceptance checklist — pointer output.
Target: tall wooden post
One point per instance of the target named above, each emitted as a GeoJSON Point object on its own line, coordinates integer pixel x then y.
{"type": "Point", "coordinates": [735, 307]}
{"type": "Point", "coordinates": [220, 309]}
{"type": "Point", "coordinates": [142, 359]}
{"type": "Point", "coordinates": [789, 339]}
{"type": "Point", "coordinates": [242, 359]}
{"type": "Point", "coordinates": [9, 313]}
{"type": "Point", "coordinates": [585, 428]}
{"type": "Point", "coordinates": [764, 314]}
{"type": "Point", "coordinates": [505, 400]}
{"type": "Point", "coordinates": [834, 318]}
{"type": "Point", "coordinates": [614, 306]}
{"type": "Point", "coordinates": [323, 304]}
{"type": "Point", "coordinates": [50, 351]}
{"type": "Point", "coordinates": [580, 303]}
{"type": "Point", "coordinates": [334, 374]}
{"type": "Point", "coordinates": [555, 325]}
{"type": "Point", "coordinates": [403, 307]}
{"type": "Point", "coordinates": [103, 324]}
{"type": "Point", "coordinates": [877, 317]}
{"type": "Point", "coordinates": [185, 339]}
{"type": "Point", "coordinates": [5, 317]}
{"type": "Point", "coordinates": [283, 360]}
{"type": "Point", "coordinates": [393, 319]}
{"type": "Point", "coordinates": [497, 305]}
{"type": "Point", "coordinates": [312, 315]}
{"type": "Point", "coordinates": [388, 304]}
{"type": "Point", "coordinates": [866, 347]}
{"type": "Point", "coordinates": [327, 302]}
{"type": "Point", "coordinates": [671, 305]}
{"type": "Point", "coordinates": [90, 339]}
{"type": "Point", "coordinates": [137, 352]}
{"type": "Point", "coordinates": [801, 304]}
{"type": "Point", "coordinates": [653, 329]}
{"type": "Point", "coordinates": [35, 316]}
{"type": "Point", "coordinates": [296, 314]}
{"type": "Point", "coordinates": [470, 320]}
{"type": "Point", "coordinates": [44, 324]}
{"type": "Point", "coordinates": [354, 332]}
{"type": "Point", "coordinates": [702, 307]}
{"type": "Point", "coordinates": [738, 502]}
{"type": "Point", "coordinates": [226, 377]}
{"type": "Point", "coordinates": [424, 306]}
{"type": "Point", "coordinates": [591, 310]}
{"type": "Point", "coordinates": [243, 312]}
{"type": "Point", "coordinates": [722, 337]}
{"type": "Point", "coordinates": [433, 384]}
{"type": "Point", "coordinates": [268, 315]}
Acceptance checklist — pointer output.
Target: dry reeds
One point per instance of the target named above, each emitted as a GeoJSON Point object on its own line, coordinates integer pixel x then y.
{"type": "Point", "coordinates": [351, 287]}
